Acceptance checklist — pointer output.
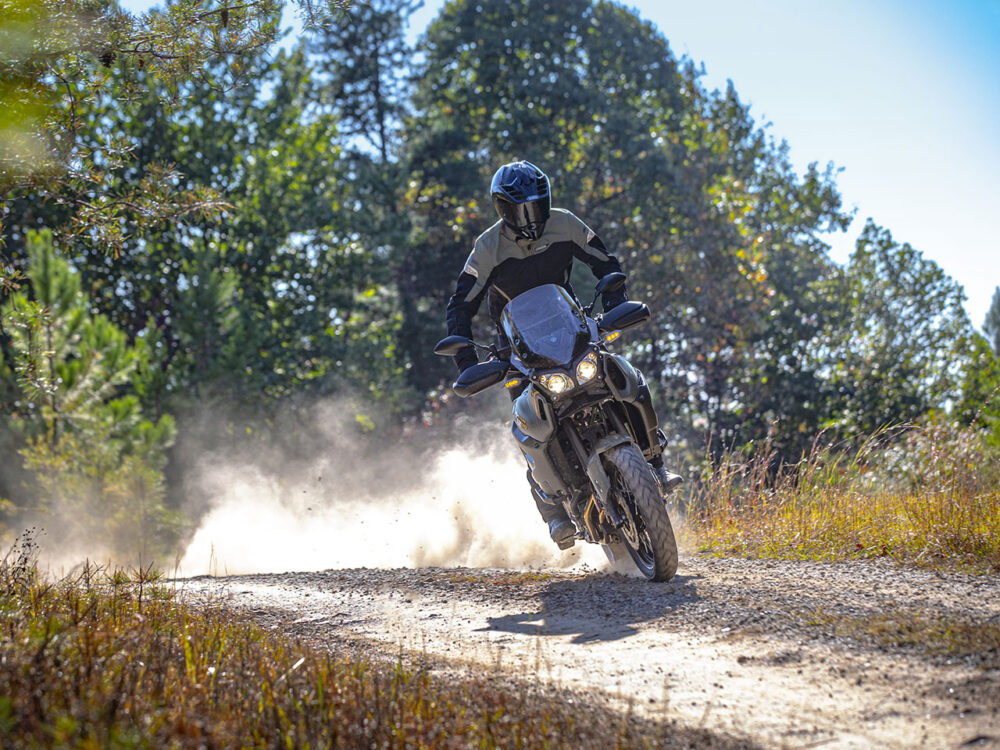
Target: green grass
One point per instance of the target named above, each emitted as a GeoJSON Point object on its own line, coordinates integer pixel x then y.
{"type": "Point", "coordinates": [932, 499]}
{"type": "Point", "coordinates": [104, 659]}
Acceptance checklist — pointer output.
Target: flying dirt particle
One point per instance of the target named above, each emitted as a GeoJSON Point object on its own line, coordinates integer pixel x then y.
{"type": "Point", "coordinates": [446, 516]}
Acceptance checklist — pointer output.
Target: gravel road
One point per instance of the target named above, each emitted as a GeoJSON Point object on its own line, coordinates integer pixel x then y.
{"type": "Point", "coordinates": [786, 654]}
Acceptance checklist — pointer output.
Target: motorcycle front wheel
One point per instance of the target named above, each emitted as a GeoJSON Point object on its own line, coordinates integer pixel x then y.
{"type": "Point", "coordinates": [646, 533]}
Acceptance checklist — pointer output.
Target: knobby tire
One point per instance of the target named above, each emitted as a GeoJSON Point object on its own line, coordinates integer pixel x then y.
{"type": "Point", "coordinates": [633, 470]}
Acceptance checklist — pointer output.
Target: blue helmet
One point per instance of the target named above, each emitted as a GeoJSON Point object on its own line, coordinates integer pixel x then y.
{"type": "Point", "coordinates": [521, 196]}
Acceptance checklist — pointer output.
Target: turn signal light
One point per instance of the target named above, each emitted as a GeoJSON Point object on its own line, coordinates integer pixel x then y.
{"type": "Point", "coordinates": [611, 336]}
{"type": "Point", "coordinates": [511, 383]}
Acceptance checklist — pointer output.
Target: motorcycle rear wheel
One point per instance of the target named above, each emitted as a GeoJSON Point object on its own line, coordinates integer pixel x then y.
{"type": "Point", "coordinates": [647, 533]}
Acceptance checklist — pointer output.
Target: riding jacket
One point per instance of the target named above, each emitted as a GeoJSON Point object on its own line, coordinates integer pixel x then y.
{"type": "Point", "coordinates": [503, 266]}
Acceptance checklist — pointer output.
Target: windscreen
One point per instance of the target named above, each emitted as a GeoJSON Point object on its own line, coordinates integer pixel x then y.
{"type": "Point", "coordinates": [544, 326]}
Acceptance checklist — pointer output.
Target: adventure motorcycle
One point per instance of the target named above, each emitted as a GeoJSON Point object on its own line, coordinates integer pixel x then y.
{"type": "Point", "coordinates": [584, 422]}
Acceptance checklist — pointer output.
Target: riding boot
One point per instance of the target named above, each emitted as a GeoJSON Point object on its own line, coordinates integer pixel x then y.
{"type": "Point", "coordinates": [667, 480]}
{"type": "Point", "coordinates": [561, 528]}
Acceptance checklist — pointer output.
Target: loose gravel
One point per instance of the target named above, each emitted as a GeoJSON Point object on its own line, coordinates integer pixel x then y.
{"type": "Point", "coordinates": [790, 654]}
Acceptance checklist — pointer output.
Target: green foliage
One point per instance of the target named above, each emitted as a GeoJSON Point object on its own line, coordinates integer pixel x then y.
{"type": "Point", "coordinates": [207, 331]}
{"type": "Point", "coordinates": [358, 58]}
{"type": "Point", "coordinates": [898, 345]}
{"type": "Point", "coordinates": [96, 462]}
{"type": "Point", "coordinates": [68, 363]}
{"type": "Point", "coordinates": [359, 79]}
{"type": "Point", "coordinates": [283, 294]}
{"type": "Point", "coordinates": [60, 59]}
{"type": "Point", "coordinates": [979, 402]}
{"type": "Point", "coordinates": [718, 234]}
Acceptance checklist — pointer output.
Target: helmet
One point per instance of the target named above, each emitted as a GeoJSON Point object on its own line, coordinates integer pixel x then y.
{"type": "Point", "coordinates": [520, 193]}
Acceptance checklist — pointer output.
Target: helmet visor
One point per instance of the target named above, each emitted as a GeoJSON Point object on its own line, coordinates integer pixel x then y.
{"type": "Point", "coordinates": [521, 215]}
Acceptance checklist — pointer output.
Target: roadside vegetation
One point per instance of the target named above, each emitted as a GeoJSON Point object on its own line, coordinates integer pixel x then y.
{"type": "Point", "coordinates": [105, 658]}
{"type": "Point", "coordinates": [926, 495]}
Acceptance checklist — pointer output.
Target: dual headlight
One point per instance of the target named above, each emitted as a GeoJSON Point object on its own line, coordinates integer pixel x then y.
{"type": "Point", "coordinates": [560, 382]}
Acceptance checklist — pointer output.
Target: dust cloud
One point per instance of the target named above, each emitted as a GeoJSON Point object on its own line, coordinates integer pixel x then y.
{"type": "Point", "coordinates": [457, 506]}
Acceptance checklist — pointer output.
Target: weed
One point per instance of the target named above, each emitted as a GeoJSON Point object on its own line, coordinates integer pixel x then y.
{"type": "Point", "coordinates": [930, 497]}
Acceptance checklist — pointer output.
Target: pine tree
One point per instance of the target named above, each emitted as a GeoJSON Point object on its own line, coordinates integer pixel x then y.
{"type": "Point", "coordinates": [95, 459]}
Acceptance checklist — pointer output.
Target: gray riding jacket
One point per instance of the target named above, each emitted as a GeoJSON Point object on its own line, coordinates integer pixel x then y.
{"type": "Point", "coordinates": [503, 266]}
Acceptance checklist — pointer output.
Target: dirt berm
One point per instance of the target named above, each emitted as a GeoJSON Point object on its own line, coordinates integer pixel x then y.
{"type": "Point", "coordinates": [861, 654]}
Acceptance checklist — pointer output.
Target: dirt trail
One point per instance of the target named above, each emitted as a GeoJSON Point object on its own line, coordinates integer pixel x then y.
{"type": "Point", "coordinates": [786, 654]}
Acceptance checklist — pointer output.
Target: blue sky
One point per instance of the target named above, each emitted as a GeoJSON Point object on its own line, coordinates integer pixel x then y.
{"type": "Point", "coordinates": [904, 95]}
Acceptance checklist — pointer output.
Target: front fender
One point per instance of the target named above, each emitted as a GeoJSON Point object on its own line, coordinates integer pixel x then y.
{"type": "Point", "coordinates": [595, 469]}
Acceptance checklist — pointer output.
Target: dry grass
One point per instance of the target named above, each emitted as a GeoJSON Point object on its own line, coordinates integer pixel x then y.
{"type": "Point", "coordinates": [105, 659]}
{"type": "Point", "coordinates": [930, 497]}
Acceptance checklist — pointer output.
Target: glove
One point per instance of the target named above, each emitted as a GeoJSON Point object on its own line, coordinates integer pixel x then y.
{"type": "Point", "coordinates": [466, 359]}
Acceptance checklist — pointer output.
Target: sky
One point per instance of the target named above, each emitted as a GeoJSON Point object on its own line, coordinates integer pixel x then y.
{"type": "Point", "coordinates": [902, 95]}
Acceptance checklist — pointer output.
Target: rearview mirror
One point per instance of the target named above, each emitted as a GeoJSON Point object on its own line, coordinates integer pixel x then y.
{"type": "Point", "coordinates": [610, 283]}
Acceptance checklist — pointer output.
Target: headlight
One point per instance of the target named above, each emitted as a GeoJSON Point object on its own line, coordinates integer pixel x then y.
{"type": "Point", "coordinates": [587, 369]}
{"type": "Point", "coordinates": [556, 382]}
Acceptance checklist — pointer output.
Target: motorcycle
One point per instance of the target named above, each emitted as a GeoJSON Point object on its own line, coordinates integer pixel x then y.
{"type": "Point", "coordinates": [583, 421]}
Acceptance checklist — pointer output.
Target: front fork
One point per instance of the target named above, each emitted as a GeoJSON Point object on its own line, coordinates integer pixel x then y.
{"type": "Point", "coordinates": [591, 461]}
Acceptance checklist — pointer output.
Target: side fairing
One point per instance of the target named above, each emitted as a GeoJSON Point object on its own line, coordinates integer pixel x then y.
{"type": "Point", "coordinates": [630, 387]}
{"type": "Point", "coordinates": [533, 416]}
{"type": "Point", "coordinates": [622, 378]}
{"type": "Point", "coordinates": [533, 427]}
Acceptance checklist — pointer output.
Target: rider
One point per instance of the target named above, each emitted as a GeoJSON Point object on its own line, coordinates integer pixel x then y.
{"type": "Point", "coordinates": [531, 245]}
